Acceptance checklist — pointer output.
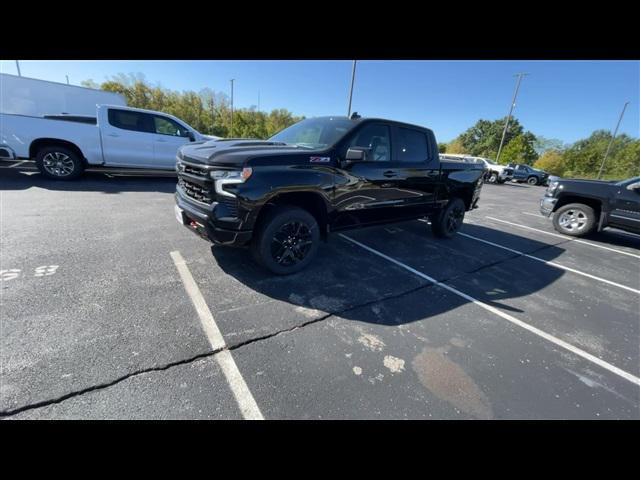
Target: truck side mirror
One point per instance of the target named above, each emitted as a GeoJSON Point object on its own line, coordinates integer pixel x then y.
{"type": "Point", "coordinates": [356, 154]}
{"type": "Point", "coordinates": [191, 136]}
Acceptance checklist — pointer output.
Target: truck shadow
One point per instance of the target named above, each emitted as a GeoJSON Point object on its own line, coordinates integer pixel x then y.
{"type": "Point", "coordinates": [110, 182]}
{"type": "Point", "coordinates": [348, 281]}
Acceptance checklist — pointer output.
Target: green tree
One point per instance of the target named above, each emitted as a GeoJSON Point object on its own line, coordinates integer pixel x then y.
{"type": "Point", "coordinates": [551, 161]}
{"type": "Point", "coordinates": [584, 157]}
{"type": "Point", "coordinates": [442, 147]}
{"type": "Point", "coordinates": [519, 150]}
{"type": "Point", "coordinates": [456, 146]}
{"type": "Point", "coordinates": [483, 139]}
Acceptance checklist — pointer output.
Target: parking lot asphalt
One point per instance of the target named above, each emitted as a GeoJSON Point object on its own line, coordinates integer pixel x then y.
{"type": "Point", "coordinates": [507, 320]}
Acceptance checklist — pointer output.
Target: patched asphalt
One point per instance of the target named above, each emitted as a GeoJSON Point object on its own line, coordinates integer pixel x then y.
{"type": "Point", "coordinates": [110, 332]}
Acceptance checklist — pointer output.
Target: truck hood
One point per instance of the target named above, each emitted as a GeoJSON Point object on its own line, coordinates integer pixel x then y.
{"type": "Point", "coordinates": [234, 151]}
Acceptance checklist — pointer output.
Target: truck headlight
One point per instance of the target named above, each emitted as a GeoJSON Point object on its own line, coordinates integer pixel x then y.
{"type": "Point", "coordinates": [239, 175]}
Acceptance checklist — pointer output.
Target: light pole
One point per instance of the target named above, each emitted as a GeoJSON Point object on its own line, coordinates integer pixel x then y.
{"type": "Point", "coordinates": [506, 125]}
{"type": "Point", "coordinates": [18, 67]}
{"type": "Point", "coordinates": [67, 79]}
{"type": "Point", "coordinates": [353, 76]}
{"type": "Point", "coordinates": [232, 107]}
{"type": "Point", "coordinates": [612, 138]}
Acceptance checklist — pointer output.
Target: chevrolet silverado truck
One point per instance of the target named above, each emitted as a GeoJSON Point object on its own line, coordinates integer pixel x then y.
{"type": "Point", "coordinates": [281, 196]}
{"type": "Point", "coordinates": [580, 207]}
{"type": "Point", "coordinates": [117, 136]}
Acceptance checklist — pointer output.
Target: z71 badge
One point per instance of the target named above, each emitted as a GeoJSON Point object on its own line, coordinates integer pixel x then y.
{"type": "Point", "coordinates": [319, 159]}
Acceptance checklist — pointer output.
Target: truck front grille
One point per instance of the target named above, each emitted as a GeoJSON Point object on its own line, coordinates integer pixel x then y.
{"type": "Point", "coordinates": [195, 191]}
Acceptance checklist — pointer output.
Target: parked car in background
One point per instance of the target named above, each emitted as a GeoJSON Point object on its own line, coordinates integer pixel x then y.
{"type": "Point", "coordinates": [524, 173]}
{"type": "Point", "coordinates": [117, 136]}
{"type": "Point", "coordinates": [583, 206]}
{"type": "Point", "coordinates": [494, 173]}
{"type": "Point", "coordinates": [281, 196]}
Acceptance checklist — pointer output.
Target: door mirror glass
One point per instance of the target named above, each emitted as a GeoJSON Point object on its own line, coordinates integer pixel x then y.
{"type": "Point", "coordinates": [355, 154]}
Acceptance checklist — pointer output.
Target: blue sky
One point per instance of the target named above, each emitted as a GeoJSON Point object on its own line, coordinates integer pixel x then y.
{"type": "Point", "coordinates": [559, 99]}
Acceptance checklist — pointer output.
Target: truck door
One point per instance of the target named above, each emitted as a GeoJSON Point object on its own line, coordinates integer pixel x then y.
{"type": "Point", "coordinates": [127, 138]}
{"type": "Point", "coordinates": [417, 168]}
{"type": "Point", "coordinates": [625, 206]}
{"type": "Point", "coordinates": [169, 136]}
{"type": "Point", "coordinates": [367, 191]}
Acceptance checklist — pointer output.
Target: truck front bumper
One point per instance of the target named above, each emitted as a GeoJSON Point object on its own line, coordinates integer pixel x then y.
{"type": "Point", "coordinates": [547, 204]}
{"type": "Point", "coordinates": [201, 220]}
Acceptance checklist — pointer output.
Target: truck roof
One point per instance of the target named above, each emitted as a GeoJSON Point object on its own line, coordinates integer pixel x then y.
{"type": "Point", "coordinates": [378, 119]}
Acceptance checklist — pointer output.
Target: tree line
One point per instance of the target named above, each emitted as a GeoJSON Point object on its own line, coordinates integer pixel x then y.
{"type": "Point", "coordinates": [210, 113]}
{"type": "Point", "coordinates": [581, 159]}
{"type": "Point", "coordinates": [207, 111]}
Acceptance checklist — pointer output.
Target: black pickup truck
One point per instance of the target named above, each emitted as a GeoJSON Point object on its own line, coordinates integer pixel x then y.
{"type": "Point", "coordinates": [581, 206]}
{"type": "Point", "coordinates": [282, 195]}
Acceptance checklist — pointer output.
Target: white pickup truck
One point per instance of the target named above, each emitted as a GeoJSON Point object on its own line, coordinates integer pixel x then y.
{"type": "Point", "coordinates": [494, 173]}
{"type": "Point", "coordinates": [118, 136]}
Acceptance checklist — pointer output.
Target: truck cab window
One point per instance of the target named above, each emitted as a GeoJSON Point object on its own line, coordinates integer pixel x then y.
{"type": "Point", "coordinates": [413, 146]}
{"type": "Point", "coordinates": [166, 126]}
{"type": "Point", "coordinates": [128, 120]}
{"type": "Point", "coordinates": [377, 139]}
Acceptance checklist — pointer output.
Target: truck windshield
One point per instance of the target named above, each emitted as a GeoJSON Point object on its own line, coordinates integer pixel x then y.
{"type": "Point", "coordinates": [314, 133]}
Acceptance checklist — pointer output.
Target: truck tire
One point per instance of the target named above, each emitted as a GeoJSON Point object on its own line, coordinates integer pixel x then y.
{"type": "Point", "coordinates": [532, 180]}
{"type": "Point", "coordinates": [59, 163]}
{"type": "Point", "coordinates": [287, 240]}
{"type": "Point", "coordinates": [447, 223]}
{"type": "Point", "coordinates": [501, 181]}
{"type": "Point", "coordinates": [493, 177]}
{"type": "Point", "coordinates": [575, 219]}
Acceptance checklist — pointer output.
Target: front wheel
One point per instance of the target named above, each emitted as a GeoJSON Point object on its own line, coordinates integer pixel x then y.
{"type": "Point", "coordinates": [532, 180]}
{"type": "Point", "coordinates": [575, 219]}
{"type": "Point", "coordinates": [287, 241]}
{"type": "Point", "coordinates": [447, 223]}
{"type": "Point", "coordinates": [59, 163]}
{"type": "Point", "coordinates": [493, 178]}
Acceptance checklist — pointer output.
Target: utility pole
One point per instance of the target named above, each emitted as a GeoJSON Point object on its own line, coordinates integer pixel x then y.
{"type": "Point", "coordinates": [18, 67]}
{"type": "Point", "coordinates": [232, 107]}
{"type": "Point", "coordinates": [353, 76]}
{"type": "Point", "coordinates": [67, 79]}
{"type": "Point", "coordinates": [513, 104]}
{"type": "Point", "coordinates": [612, 138]}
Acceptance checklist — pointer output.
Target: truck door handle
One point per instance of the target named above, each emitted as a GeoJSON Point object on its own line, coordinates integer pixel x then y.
{"type": "Point", "coordinates": [113, 135]}
{"type": "Point", "coordinates": [161, 140]}
{"type": "Point", "coordinates": [390, 173]}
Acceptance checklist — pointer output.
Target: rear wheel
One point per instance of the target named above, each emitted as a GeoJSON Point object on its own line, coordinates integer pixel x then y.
{"type": "Point", "coordinates": [493, 178]}
{"type": "Point", "coordinates": [287, 240]}
{"type": "Point", "coordinates": [59, 163]}
{"type": "Point", "coordinates": [447, 223]}
{"type": "Point", "coordinates": [575, 219]}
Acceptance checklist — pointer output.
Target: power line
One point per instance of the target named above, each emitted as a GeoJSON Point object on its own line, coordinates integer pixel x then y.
{"type": "Point", "coordinates": [506, 125]}
{"type": "Point", "coordinates": [612, 138]}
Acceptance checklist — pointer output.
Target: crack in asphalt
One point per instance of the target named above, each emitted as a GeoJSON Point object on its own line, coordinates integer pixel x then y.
{"type": "Point", "coordinates": [105, 385]}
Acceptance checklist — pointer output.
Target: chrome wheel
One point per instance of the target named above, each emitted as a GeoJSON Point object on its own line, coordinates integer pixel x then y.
{"type": "Point", "coordinates": [291, 243]}
{"type": "Point", "coordinates": [58, 164]}
{"type": "Point", "coordinates": [573, 220]}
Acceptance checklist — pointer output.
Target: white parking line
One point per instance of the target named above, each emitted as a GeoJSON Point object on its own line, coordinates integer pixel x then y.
{"type": "Point", "coordinates": [561, 343]}
{"type": "Point", "coordinates": [566, 237]}
{"type": "Point", "coordinates": [244, 398]}
{"type": "Point", "coordinates": [553, 264]}
{"type": "Point", "coordinates": [537, 215]}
